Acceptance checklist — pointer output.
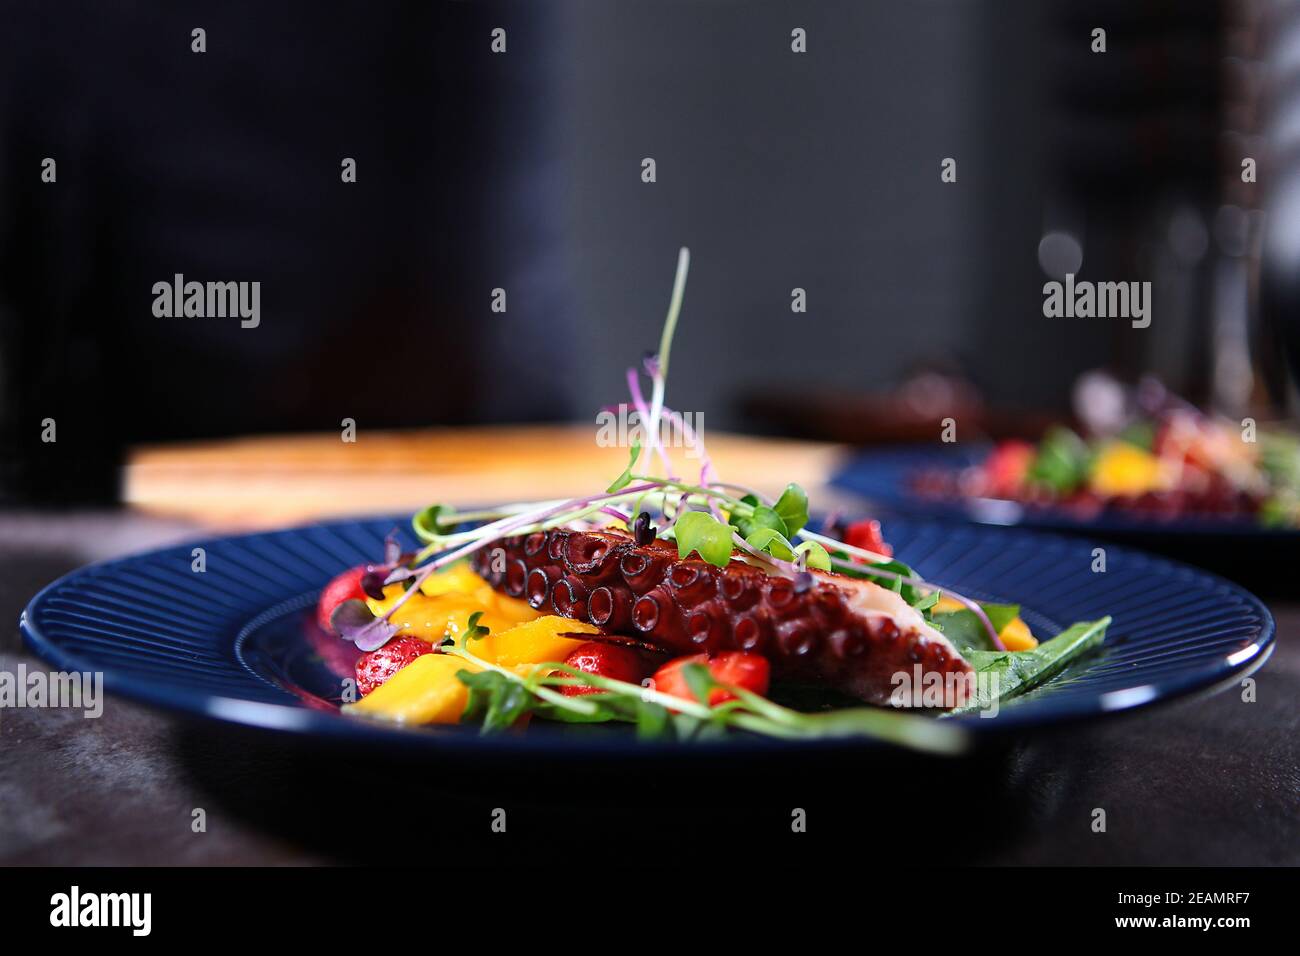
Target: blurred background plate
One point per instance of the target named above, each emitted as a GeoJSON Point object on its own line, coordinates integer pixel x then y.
{"type": "Point", "coordinates": [238, 643]}
{"type": "Point", "coordinates": [1239, 549]}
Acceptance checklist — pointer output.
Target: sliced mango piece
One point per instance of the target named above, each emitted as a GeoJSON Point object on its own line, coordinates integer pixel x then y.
{"type": "Point", "coordinates": [445, 603]}
{"type": "Point", "coordinates": [533, 642]}
{"type": "Point", "coordinates": [1016, 636]}
{"type": "Point", "coordinates": [433, 618]}
{"type": "Point", "coordinates": [425, 691]}
{"type": "Point", "coordinates": [459, 578]}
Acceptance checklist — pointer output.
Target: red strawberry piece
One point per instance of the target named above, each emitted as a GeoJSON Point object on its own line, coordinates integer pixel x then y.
{"type": "Point", "coordinates": [607, 660]}
{"type": "Point", "coordinates": [377, 666]}
{"type": "Point", "coordinates": [866, 535]}
{"type": "Point", "coordinates": [345, 587]}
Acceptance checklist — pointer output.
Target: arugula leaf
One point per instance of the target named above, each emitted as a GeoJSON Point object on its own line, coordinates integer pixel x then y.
{"type": "Point", "coordinates": [925, 603]}
{"type": "Point", "coordinates": [967, 632]}
{"type": "Point", "coordinates": [494, 699]}
{"type": "Point", "coordinates": [625, 479]}
{"type": "Point", "coordinates": [909, 592]}
{"type": "Point", "coordinates": [1000, 615]}
{"type": "Point", "coordinates": [498, 707]}
{"type": "Point", "coordinates": [1014, 672]}
{"type": "Point", "coordinates": [699, 531]}
{"type": "Point", "coordinates": [792, 506]}
{"type": "Point", "coordinates": [964, 631]}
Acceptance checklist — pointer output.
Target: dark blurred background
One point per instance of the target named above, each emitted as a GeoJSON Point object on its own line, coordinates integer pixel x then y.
{"type": "Point", "coordinates": [522, 170]}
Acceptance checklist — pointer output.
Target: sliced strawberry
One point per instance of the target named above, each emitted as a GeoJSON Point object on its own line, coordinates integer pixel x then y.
{"type": "Point", "coordinates": [607, 660]}
{"type": "Point", "coordinates": [866, 535]}
{"type": "Point", "coordinates": [375, 667]}
{"type": "Point", "coordinates": [749, 671]}
{"type": "Point", "coordinates": [345, 587]}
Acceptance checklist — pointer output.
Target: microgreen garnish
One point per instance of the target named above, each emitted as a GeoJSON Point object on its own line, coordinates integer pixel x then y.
{"type": "Point", "coordinates": [699, 681]}
{"type": "Point", "coordinates": [792, 506]}
{"type": "Point", "coordinates": [711, 518]}
{"type": "Point", "coordinates": [499, 697]}
{"type": "Point", "coordinates": [426, 525]}
{"type": "Point", "coordinates": [474, 631]}
{"type": "Point", "coordinates": [372, 582]}
{"type": "Point", "coordinates": [353, 621]}
{"type": "Point", "coordinates": [625, 479]}
{"type": "Point", "coordinates": [811, 554]}
{"type": "Point", "coordinates": [771, 541]}
{"type": "Point", "coordinates": [700, 532]}
{"type": "Point", "coordinates": [392, 550]}
{"type": "Point", "coordinates": [927, 601]}
{"type": "Point", "coordinates": [761, 516]}
{"type": "Point", "coordinates": [495, 701]}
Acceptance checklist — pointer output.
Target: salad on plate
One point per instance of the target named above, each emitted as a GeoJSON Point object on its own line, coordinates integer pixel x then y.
{"type": "Point", "coordinates": [1162, 459]}
{"type": "Point", "coordinates": [687, 606]}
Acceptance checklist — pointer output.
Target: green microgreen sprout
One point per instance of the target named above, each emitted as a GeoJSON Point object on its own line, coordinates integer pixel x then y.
{"type": "Point", "coordinates": [499, 696]}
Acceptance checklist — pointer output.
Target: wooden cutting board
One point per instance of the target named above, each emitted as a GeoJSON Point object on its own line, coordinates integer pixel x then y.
{"type": "Point", "coordinates": [260, 482]}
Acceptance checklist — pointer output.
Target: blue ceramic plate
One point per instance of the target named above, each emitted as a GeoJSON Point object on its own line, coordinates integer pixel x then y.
{"type": "Point", "coordinates": [238, 642]}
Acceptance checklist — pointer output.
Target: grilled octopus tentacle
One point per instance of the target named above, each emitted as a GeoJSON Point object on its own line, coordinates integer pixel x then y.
{"type": "Point", "coordinates": [831, 628]}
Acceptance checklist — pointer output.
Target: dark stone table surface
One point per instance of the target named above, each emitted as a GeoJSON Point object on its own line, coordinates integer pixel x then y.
{"type": "Point", "coordinates": [1203, 780]}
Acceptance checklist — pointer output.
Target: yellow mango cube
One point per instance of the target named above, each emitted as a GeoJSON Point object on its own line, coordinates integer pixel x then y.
{"type": "Point", "coordinates": [425, 691]}
{"type": "Point", "coordinates": [459, 578]}
{"type": "Point", "coordinates": [445, 603]}
{"type": "Point", "coordinates": [1016, 636]}
{"type": "Point", "coordinates": [533, 642]}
